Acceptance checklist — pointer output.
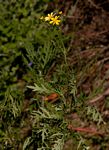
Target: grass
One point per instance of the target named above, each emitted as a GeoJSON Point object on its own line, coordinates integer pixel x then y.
{"type": "Point", "coordinates": [40, 106]}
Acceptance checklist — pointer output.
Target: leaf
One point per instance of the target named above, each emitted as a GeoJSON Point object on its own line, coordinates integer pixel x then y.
{"type": "Point", "coordinates": [26, 143]}
{"type": "Point", "coordinates": [40, 89]}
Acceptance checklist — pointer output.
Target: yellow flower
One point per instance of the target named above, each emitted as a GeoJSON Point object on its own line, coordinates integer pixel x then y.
{"type": "Point", "coordinates": [55, 20]}
{"type": "Point", "coordinates": [60, 12]}
{"type": "Point", "coordinates": [41, 17]}
{"type": "Point", "coordinates": [49, 16]}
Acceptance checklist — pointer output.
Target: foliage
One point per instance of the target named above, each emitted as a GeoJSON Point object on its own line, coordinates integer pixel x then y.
{"type": "Point", "coordinates": [19, 20]}
{"type": "Point", "coordinates": [94, 114]}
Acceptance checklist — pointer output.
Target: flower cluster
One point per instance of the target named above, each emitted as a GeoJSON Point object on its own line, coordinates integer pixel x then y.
{"type": "Point", "coordinates": [53, 18]}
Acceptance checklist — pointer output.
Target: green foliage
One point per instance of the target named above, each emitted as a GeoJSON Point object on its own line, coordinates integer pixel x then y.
{"type": "Point", "coordinates": [49, 123]}
{"type": "Point", "coordinates": [41, 89]}
{"type": "Point", "coordinates": [18, 21]}
{"type": "Point", "coordinates": [94, 114]}
{"type": "Point", "coordinates": [45, 48]}
{"type": "Point", "coordinates": [10, 110]}
{"type": "Point", "coordinates": [50, 126]}
{"type": "Point", "coordinates": [12, 103]}
{"type": "Point", "coordinates": [7, 71]}
{"type": "Point", "coordinates": [82, 144]}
